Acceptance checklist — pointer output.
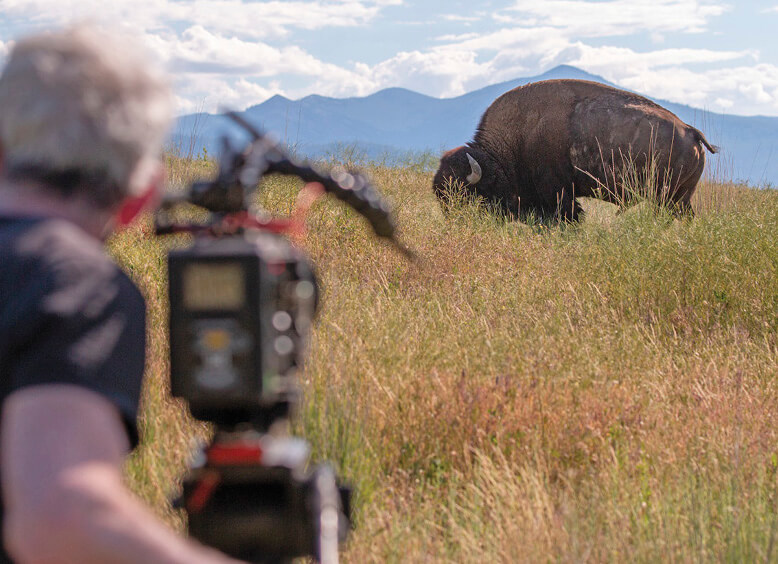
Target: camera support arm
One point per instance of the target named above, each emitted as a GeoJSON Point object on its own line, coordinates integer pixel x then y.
{"type": "Point", "coordinates": [265, 156]}
{"type": "Point", "coordinates": [240, 173]}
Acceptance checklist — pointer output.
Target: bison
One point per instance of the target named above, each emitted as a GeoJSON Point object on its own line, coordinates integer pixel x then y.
{"type": "Point", "coordinates": [540, 146]}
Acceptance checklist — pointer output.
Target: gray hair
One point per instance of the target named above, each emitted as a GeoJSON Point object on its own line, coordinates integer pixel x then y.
{"type": "Point", "coordinates": [83, 105]}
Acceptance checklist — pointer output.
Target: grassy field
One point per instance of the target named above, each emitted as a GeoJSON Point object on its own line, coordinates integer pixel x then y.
{"type": "Point", "coordinates": [597, 392]}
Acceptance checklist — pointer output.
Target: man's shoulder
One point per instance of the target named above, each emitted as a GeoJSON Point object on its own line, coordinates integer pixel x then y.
{"type": "Point", "coordinates": [56, 242]}
{"type": "Point", "coordinates": [69, 266]}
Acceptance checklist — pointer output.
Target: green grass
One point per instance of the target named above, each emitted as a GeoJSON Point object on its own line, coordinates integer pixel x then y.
{"type": "Point", "coordinates": [596, 392]}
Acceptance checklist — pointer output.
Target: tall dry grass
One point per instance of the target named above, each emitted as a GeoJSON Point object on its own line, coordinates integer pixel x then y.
{"type": "Point", "coordinates": [596, 392]}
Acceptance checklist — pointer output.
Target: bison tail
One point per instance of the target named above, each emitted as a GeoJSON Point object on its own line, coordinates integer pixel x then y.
{"type": "Point", "coordinates": [700, 137]}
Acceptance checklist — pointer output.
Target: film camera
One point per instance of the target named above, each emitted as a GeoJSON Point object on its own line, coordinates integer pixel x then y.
{"type": "Point", "coordinates": [242, 299]}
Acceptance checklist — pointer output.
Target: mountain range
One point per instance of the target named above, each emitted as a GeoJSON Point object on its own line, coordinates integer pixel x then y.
{"type": "Point", "coordinates": [395, 123]}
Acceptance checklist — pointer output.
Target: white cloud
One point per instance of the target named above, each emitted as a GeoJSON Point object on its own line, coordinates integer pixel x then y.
{"type": "Point", "coordinates": [240, 39]}
{"type": "Point", "coordinates": [232, 17]}
{"type": "Point", "coordinates": [756, 93]}
{"type": "Point", "coordinates": [215, 70]}
{"type": "Point", "coordinates": [723, 104]}
{"type": "Point", "coordinates": [444, 72]}
{"type": "Point", "coordinates": [199, 50]}
{"type": "Point", "coordinates": [745, 89]}
{"type": "Point", "coordinates": [616, 17]}
{"type": "Point", "coordinates": [461, 18]}
{"type": "Point", "coordinates": [465, 36]}
{"type": "Point", "coordinates": [466, 62]}
{"type": "Point", "coordinates": [215, 93]}
{"type": "Point", "coordinates": [614, 59]}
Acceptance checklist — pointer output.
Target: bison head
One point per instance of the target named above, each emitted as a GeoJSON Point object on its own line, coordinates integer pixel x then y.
{"type": "Point", "coordinates": [475, 170]}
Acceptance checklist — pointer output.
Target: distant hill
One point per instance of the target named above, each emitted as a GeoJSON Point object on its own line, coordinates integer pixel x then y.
{"type": "Point", "coordinates": [397, 121]}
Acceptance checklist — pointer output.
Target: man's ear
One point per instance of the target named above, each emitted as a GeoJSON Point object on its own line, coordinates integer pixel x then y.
{"type": "Point", "coordinates": [148, 199]}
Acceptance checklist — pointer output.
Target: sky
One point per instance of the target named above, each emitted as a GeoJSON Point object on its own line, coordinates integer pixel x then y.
{"type": "Point", "coordinates": [721, 56]}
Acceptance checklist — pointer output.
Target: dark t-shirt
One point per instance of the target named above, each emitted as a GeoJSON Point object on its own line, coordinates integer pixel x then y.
{"type": "Point", "coordinates": [68, 315]}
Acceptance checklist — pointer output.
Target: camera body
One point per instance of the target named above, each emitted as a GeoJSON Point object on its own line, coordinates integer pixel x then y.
{"type": "Point", "coordinates": [241, 308]}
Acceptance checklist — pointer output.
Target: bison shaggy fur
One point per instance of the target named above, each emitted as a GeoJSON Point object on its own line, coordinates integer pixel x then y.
{"type": "Point", "coordinates": [540, 146]}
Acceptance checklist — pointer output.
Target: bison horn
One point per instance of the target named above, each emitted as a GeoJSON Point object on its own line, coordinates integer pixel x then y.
{"type": "Point", "coordinates": [475, 168]}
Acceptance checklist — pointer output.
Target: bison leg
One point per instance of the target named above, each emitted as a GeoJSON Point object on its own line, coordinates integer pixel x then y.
{"type": "Point", "coordinates": [576, 214]}
{"type": "Point", "coordinates": [567, 208]}
{"type": "Point", "coordinates": [683, 209]}
{"type": "Point", "coordinates": [532, 214]}
{"type": "Point", "coordinates": [682, 198]}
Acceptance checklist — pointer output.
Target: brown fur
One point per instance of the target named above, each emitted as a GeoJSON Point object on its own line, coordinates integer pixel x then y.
{"type": "Point", "coordinates": [542, 145]}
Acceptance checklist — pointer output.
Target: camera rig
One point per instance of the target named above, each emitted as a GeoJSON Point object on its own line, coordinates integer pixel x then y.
{"type": "Point", "coordinates": [242, 299]}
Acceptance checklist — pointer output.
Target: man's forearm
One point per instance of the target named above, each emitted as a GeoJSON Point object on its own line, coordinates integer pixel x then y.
{"type": "Point", "coordinates": [62, 454]}
{"type": "Point", "coordinates": [100, 522]}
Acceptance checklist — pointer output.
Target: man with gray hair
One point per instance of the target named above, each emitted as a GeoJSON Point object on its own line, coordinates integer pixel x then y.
{"type": "Point", "coordinates": [82, 121]}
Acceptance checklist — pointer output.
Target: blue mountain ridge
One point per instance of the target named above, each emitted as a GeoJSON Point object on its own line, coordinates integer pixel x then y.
{"type": "Point", "coordinates": [397, 121]}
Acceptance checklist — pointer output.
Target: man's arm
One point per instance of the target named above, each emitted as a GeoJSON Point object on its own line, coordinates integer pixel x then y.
{"type": "Point", "coordinates": [61, 449]}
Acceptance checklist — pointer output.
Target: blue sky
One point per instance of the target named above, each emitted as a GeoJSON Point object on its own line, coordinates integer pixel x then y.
{"type": "Point", "coordinates": [712, 54]}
